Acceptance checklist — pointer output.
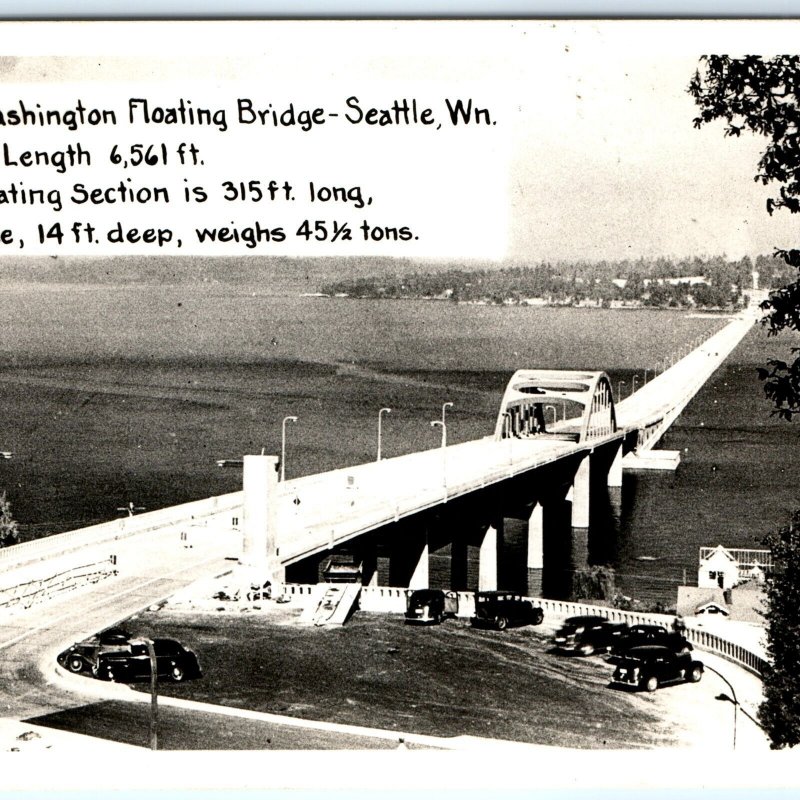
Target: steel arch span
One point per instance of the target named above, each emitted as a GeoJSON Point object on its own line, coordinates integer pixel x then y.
{"type": "Point", "coordinates": [530, 393]}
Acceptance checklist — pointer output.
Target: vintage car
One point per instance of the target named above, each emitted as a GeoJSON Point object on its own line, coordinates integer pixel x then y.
{"type": "Point", "coordinates": [431, 606]}
{"type": "Point", "coordinates": [588, 634]}
{"type": "Point", "coordinates": [173, 661]}
{"type": "Point", "coordinates": [500, 609]}
{"type": "Point", "coordinates": [82, 656]}
{"type": "Point", "coordinates": [639, 635]}
{"type": "Point", "coordinates": [650, 666]}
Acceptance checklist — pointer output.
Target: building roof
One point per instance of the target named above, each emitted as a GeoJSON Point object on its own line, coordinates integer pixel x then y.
{"type": "Point", "coordinates": [744, 603]}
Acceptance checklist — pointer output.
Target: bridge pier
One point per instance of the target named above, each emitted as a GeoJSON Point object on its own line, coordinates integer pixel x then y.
{"type": "Point", "coordinates": [535, 559]}
{"type": "Point", "coordinates": [260, 551]}
{"type": "Point", "coordinates": [459, 561]}
{"type": "Point", "coordinates": [615, 470]}
{"type": "Point", "coordinates": [488, 557]}
{"type": "Point", "coordinates": [420, 576]}
{"type": "Point", "coordinates": [580, 494]}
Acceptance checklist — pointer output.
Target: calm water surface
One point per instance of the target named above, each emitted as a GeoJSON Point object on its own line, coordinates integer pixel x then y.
{"type": "Point", "coordinates": [116, 394]}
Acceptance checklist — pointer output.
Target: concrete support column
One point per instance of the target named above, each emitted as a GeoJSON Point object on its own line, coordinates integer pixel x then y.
{"type": "Point", "coordinates": [535, 551]}
{"type": "Point", "coordinates": [260, 554]}
{"type": "Point", "coordinates": [615, 470]}
{"type": "Point", "coordinates": [458, 564]}
{"type": "Point", "coordinates": [580, 495]}
{"type": "Point", "coordinates": [419, 577]}
{"type": "Point", "coordinates": [487, 558]}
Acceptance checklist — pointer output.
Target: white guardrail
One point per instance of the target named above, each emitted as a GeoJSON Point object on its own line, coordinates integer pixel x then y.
{"type": "Point", "coordinates": [387, 599]}
{"type": "Point", "coordinates": [118, 529]}
{"type": "Point", "coordinates": [38, 590]}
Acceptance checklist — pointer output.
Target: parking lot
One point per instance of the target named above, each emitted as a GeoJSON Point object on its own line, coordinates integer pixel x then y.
{"type": "Point", "coordinates": [445, 680]}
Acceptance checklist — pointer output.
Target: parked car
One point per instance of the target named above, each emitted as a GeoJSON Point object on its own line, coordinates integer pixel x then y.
{"type": "Point", "coordinates": [639, 635]}
{"type": "Point", "coordinates": [501, 609]}
{"type": "Point", "coordinates": [82, 656]}
{"type": "Point", "coordinates": [431, 606]}
{"type": "Point", "coordinates": [649, 666]}
{"type": "Point", "coordinates": [173, 661]}
{"type": "Point", "coordinates": [588, 634]}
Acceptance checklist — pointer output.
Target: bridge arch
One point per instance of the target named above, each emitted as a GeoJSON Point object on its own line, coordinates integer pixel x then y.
{"type": "Point", "coordinates": [530, 392]}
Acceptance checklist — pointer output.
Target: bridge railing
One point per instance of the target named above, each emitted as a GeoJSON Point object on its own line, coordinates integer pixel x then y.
{"type": "Point", "coordinates": [22, 596]}
{"type": "Point", "coordinates": [118, 529]}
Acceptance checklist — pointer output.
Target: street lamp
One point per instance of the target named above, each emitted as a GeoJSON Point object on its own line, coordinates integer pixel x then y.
{"type": "Point", "coordinates": [724, 697]}
{"type": "Point", "coordinates": [380, 415]}
{"type": "Point", "coordinates": [555, 413]}
{"type": "Point", "coordinates": [645, 377]}
{"type": "Point", "coordinates": [635, 377]}
{"type": "Point", "coordinates": [151, 651]}
{"type": "Point", "coordinates": [619, 390]}
{"type": "Point", "coordinates": [438, 423]}
{"type": "Point", "coordinates": [283, 445]}
{"type": "Point", "coordinates": [130, 509]}
{"type": "Point", "coordinates": [445, 406]}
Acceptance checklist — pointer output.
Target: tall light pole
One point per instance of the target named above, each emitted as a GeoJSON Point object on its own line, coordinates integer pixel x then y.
{"type": "Point", "coordinates": [380, 416]}
{"type": "Point", "coordinates": [283, 445]}
{"type": "Point", "coordinates": [619, 390]}
{"type": "Point", "coordinates": [151, 652]}
{"type": "Point", "coordinates": [555, 413]}
{"type": "Point", "coordinates": [441, 423]}
{"type": "Point", "coordinates": [645, 376]}
{"type": "Point", "coordinates": [635, 377]}
{"type": "Point", "coordinates": [725, 697]}
{"type": "Point", "coordinates": [445, 406]}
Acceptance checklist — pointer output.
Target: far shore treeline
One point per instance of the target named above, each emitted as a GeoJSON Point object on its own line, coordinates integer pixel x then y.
{"type": "Point", "coordinates": [709, 282]}
{"type": "Point", "coordinates": [662, 283]}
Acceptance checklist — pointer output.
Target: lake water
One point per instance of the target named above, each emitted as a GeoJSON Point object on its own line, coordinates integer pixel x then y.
{"type": "Point", "coordinates": [117, 394]}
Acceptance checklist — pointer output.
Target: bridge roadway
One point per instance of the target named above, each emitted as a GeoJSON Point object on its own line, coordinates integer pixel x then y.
{"type": "Point", "coordinates": [318, 511]}
{"type": "Point", "coordinates": [155, 564]}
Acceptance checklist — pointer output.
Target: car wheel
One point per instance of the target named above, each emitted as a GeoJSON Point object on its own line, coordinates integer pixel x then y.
{"type": "Point", "coordinates": [650, 684]}
{"type": "Point", "coordinates": [501, 623]}
{"type": "Point", "coordinates": [538, 616]}
{"type": "Point", "coordinates": [177, 674]}
{"type": "Point", "coordinates": [695, 674]}
{"type": "Point", "coordinates": [587, 649]}
{"type": "Point", "coordinates": [75, 664]}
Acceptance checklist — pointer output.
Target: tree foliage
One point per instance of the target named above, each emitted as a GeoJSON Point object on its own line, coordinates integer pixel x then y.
{"type": "Point", "coordinates": [9, 530]}
{"type": "Point", "coordinates": [780, 711]}
{"type": "Point", "coordinates": [594, 583]}
{"type": "Point", "coordinates": [762, 96]}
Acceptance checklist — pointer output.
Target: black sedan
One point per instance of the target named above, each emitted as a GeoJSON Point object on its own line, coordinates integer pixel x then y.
{"type": "Point", "coordinates": [651, 666]}
{"type": "Point", "coordinates": [83, 655]}
{"type": "Point", "coordinates": [640, 635]}
{"type": "Point", "coordinates": [173, 661]}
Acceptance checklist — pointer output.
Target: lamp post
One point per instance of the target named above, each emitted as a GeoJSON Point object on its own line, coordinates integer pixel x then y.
{"type": "Point", "coordinates": [645, 378]}
{"type": "Point", "coordinates": [732, 699]}
{"type": "Point", "coordinates": [619, 390]}
{"type": "Point", "coordinates": [445, 406]}
{"type": "Point", "coordinates": [440, 423]}
{"type": "Point", "coordinates": [555, 413]}
{"type": "Point", "coordinates": [283, 445]}
{"type": "Point", "coordinates": [151, 651]}
{"type": "Point", "coordinates": [635, 378]}
{"type": "Point", "coordinates": [380, 416]}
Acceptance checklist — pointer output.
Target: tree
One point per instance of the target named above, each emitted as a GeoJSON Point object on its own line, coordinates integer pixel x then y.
{"type": "Point", "coordinates": [763, 96]}
{"type": "Point", "coordinates": [593, 583]}
{"type": "Point", "coordinates": [780, 711]}
{"type": "Point", "coordinates": [9, 530]}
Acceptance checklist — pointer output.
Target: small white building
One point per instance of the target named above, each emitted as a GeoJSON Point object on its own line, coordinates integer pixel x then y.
{"type": "Point", "coordinates": [720, 568]}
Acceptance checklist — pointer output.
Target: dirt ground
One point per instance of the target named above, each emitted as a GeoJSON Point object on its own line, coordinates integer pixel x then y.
{"type": "Point", "coordinates": [444, 680]}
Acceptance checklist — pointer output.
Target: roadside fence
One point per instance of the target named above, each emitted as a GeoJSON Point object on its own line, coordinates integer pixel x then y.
{"type": "Point", "coordinates": [38, 590]}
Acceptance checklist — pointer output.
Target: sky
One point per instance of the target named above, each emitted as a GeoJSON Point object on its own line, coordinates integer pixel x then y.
{"type": "Point", "coordinates": [595, 148]}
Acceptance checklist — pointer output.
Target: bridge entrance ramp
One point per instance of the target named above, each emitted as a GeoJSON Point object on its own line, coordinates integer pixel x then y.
{"type": "Point", "coordinates": [331, 603]}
